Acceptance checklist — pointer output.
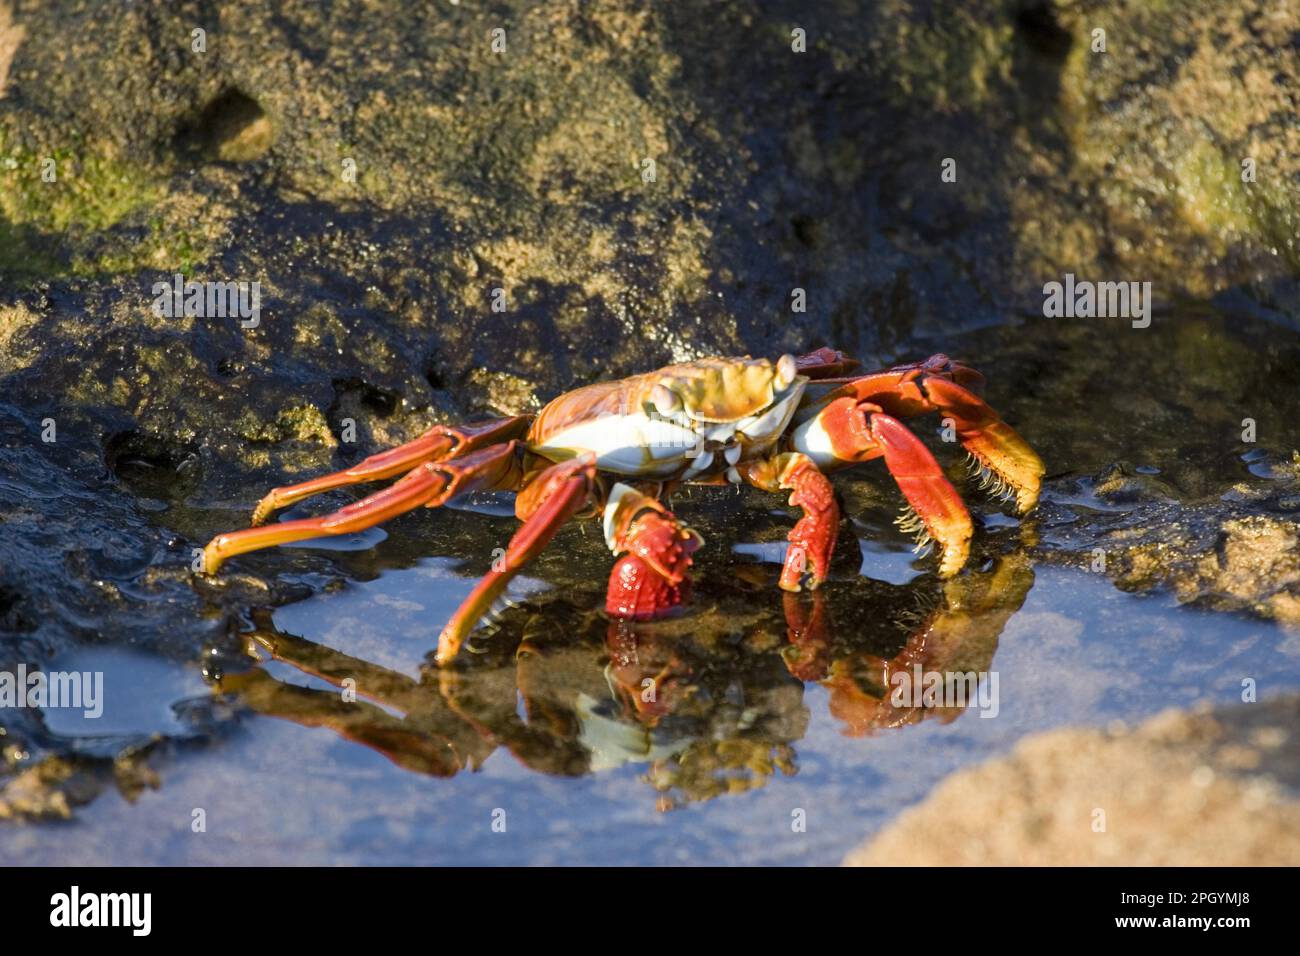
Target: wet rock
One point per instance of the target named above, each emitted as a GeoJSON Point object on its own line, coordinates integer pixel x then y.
{"type": "Point", "coordinates": [10, 37]}
{"type": "Point", "coordinates": [1216, 556]}
{"type": "Point", "coordinates": [1247, 563]}
{"type": "Point", "coordinates": [520, 160]}
{"type": "Point", "coordinates": [1259, 549]}
{"type": "Point", "coordinates": [54, 787]}
{"type": "Point", "coordinates": [1185, 127]}
{"type": "Point", "coordinates": [1221, 555]}
{"type": "Point", "coordinates": [1201, 788]}
{"type": "Point", "coordinates": [34, 794]}
{"type": "Point", "coordinates": [13, 320]}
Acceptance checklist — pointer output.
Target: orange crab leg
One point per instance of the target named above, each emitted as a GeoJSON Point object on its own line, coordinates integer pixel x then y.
{"type": "Point", "coordinates": [847, 431]}
{"type": "Point", "coordinates": [364, 723]}
{"type": "Point", "coordinates": [812, 540]}
{"type": "Point", "coordinates": [437, 444]}
{"type": "Point", "coordinates": [940, 385]}
{"type": "Point", "coordinates": [565, 490]}
{"type": "Point", "coordinates": [996, 447]}
{"type": "Point", "coordinates": [650, 578]}
{"type": "Point", "coordinates": [430, 484]}
{"type": "Point", "coordinates": [926, 489]}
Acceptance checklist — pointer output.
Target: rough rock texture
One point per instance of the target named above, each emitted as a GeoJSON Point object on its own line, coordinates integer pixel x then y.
{"type": "Point", "coordinates": [1183, 789]}
{"type": "Point", "coordinates": [10, 37]}
{"type": "Point", "coordinates": [1158, 128]}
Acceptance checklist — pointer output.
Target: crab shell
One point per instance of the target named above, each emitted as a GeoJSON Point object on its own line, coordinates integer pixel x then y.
{"type": "Point", "coordinates": [683, 422]}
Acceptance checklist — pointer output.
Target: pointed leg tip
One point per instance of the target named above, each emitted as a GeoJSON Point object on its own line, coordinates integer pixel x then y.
{"type": "Point", "coordinates": [212, 559]}
{"type": "Point", "coordinates": [457, 631]}
{"type": "Point", "coordinates": [953, 557]}
{"type": "Point", "coordinates": [448, 647]}
{"type": "Point", "coordinates": [1027, 500]}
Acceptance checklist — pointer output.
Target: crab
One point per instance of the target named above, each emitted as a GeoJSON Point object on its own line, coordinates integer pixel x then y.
{"type": "Point", "coordinates": [618, 449]}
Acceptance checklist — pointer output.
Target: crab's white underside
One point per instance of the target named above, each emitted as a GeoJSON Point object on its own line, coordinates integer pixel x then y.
{"type": "Point", "coordinates": [648, 444]}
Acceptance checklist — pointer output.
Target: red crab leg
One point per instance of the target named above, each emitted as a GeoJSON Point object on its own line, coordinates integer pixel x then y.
{"type": "Point", "coordinates": [413, 747]}
{"type": "Point", "coordinates": [808, 656]}
{"type": "Point", "coordinates": [812, 540]}
{"type": "Point", "coordinates": [950, 388]}
{"type": "Point", "coordinates": [430, 484]}
{"type": "Point", "coordinates": [847, 431]}
{"type": "Point", "coordinates": [1014, 467]}
{"type": "Point", "coordinates": [971, 614]}
{"type": "Point", "coordinates": [437, 444]}
{"type": "Point", "coordinates": [565, 490]}
{"type": "Point", "coordinates": [437, 741]}
{"type": "Point", "coordinates": [651, 577]}
{"type": "Point", "coordinates": [641, 660]}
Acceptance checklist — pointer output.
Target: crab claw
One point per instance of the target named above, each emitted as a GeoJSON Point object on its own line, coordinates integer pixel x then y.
{"type": "Point", "coordinates": [1005, 461]}
{"type": "Point", "coordinates": [651, 577]}
{"type": "Point", "coordinates": [808, 655]}
{"type": "Point", "coordinates": [812, 539]}
{"type": "Point", "coordinates": [848, 430]}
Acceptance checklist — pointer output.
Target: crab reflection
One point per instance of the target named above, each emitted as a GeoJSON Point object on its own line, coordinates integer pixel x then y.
{"type": "Point", "coordinates": [709, 704]}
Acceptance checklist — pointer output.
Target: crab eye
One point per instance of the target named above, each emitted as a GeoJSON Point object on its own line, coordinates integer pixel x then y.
{"type": "Point", "coordinates": [786, 370]}
{"type": "Point", "coordinates": [664, 399]}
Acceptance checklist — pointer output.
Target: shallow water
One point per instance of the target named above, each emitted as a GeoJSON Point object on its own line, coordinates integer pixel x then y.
{"type": "Point", "coordinates": [574, 776]}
